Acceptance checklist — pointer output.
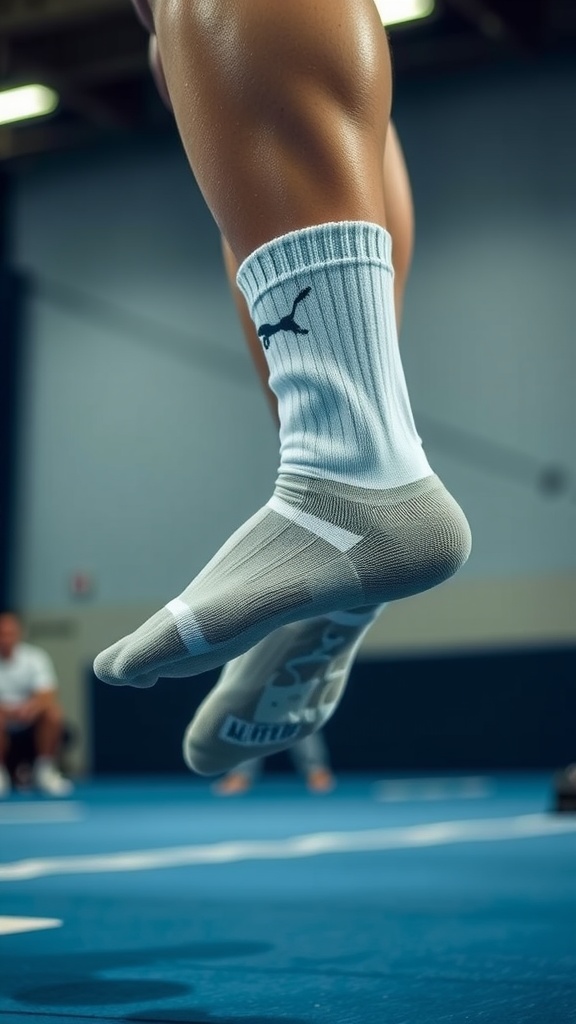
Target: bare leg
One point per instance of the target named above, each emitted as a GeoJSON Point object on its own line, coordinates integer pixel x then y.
{"type": "Point", "coordinates": [47, 725]}
{"type": "Point", "coordinates": [400, 218]}
{"type": "Point", "coordinates": [283, 110]}
{"type": "Point", "coordinates": [48, 732]}
{"type": "Point", "coordinates": [399, 215]}
{"type": "Point", "coordinates": [312, 760]}
{"type": "Point", "coordinates": [4, 737]}
{"type": "Point", "coordinates": [5, 780]}
{"type": "Point", "coordinates": [252, 340]}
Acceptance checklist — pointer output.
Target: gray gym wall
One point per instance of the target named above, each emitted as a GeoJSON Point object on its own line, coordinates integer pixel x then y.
{"type": "Point", "coordinates": [147, 439]}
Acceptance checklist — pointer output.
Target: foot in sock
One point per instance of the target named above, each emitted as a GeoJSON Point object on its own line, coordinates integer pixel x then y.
{"type": "Point", "coordinates": [357, 517]}
{"type": "Point", "coordinates": [276, 694]}
{"type": "Point", "coordinates": [277, 570]}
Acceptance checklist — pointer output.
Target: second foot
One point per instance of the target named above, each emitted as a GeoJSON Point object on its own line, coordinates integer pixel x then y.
{"type": "Point", "coordinates": [320, 780]}
{"type": "Point", "coordinates": [232, 785]}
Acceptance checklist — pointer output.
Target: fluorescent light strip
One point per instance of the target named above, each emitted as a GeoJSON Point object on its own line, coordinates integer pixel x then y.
{"type": "Point", "coordinates": [26, 101]}
{"type": "Point", "coordinates": [394, 12]}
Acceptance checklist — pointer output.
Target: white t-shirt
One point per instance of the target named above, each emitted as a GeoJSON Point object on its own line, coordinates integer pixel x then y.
{"type": "Point", "coordinates": [28, 671]}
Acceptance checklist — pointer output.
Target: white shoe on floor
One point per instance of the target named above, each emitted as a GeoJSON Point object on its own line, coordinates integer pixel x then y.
{"type": "Point", "coordinates": [5, 782]}
{"type": "Point", "coordinates": [49, 780]}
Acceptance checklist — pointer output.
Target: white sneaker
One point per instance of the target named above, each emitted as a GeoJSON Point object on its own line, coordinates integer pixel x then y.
{"type": "Point", "coordinates": [49, 780]}
{"type": "Point", "coordinates": [5, 782]}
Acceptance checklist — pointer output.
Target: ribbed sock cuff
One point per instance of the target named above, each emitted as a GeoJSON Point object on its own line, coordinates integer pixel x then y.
{"type": "Point", "coordinates": [323, 245]}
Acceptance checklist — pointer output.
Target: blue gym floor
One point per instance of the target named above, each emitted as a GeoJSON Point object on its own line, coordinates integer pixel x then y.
{"type": "Point", "coordinates": [387, 902]}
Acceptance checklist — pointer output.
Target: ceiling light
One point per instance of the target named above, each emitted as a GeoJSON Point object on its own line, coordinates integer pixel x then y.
{"type": "Point", "coordinates": [393, 12]}
{"type": "Point", "coordinates": [26, 101]}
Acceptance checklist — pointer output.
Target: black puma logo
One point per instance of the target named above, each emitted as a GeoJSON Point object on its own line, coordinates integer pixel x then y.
{"type": "Point", "coordinates": [287, 323]}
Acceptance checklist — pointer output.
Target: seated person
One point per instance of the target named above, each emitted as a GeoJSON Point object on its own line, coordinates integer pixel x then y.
{"type": "Point", "coordinates": [28, 700]}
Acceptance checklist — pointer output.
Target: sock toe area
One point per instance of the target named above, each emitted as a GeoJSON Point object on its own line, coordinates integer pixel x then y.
{"type": "Point", "coordinates": [139, 658]}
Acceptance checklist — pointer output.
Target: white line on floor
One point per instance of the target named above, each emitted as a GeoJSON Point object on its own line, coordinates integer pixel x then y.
{"type": "Point", "coordinates": [12, 925]}
{"type": "Point", "coordinates": [40, 813]}
{"type": "Point", "coordinates": [473, 787]}
{"type": "Point", "coordinates": [442, 833]}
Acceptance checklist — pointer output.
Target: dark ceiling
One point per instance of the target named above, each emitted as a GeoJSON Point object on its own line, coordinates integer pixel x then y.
{"type": "Point", "coordinates": [94, 52]}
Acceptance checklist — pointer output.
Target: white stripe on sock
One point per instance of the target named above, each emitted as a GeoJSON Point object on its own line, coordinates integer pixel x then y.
{"type": "Point", "coordinates": [187, 626]}
{"type": "Point", "coordinates": [335, 535]}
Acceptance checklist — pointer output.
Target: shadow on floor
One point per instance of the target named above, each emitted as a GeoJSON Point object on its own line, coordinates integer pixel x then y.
{"type": "Point", "coordinates": [100, 992]}
{"type": "Point", "coordinates": [71, 980]}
